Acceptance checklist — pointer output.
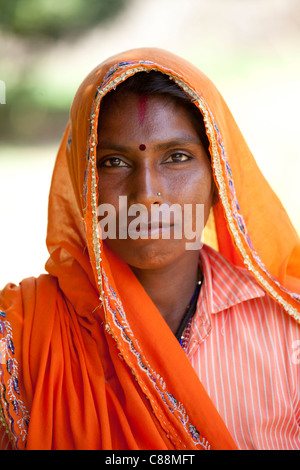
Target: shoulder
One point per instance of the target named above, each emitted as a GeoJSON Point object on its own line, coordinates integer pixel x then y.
{"type": "Point", "coordinates": [219, 263]}
{"type": "Point", "coordinates": [13, 297]}
{"type": "Point", "coordinates": [24, 305]}
{"type": "Point", "coordinates": [229, 284]}
{"type": "Point", "coordinates": [236, 286]}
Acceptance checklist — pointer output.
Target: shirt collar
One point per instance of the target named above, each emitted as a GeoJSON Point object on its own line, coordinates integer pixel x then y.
{"type": "Point", "coordinates": [224, 286]}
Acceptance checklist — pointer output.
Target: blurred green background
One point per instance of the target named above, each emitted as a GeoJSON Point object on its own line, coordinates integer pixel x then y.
{"type": "Point", "coordinates": [249, 48]}
{"type": "Point", "coordinates": [31, 29]}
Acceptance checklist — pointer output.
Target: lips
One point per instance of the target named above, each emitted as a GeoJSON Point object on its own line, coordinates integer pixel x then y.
{"type": "Point", "coordinates": [136, 222]}
{"type": "Point", "coordinates": [152, 229]}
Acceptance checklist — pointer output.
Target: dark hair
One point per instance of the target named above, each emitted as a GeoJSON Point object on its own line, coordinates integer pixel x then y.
{"type": "Point", "coordinates": [157, 83]}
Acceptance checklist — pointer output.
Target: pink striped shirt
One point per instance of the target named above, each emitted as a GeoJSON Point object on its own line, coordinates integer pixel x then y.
{"type": "Point", "coordinates": [246, 352]}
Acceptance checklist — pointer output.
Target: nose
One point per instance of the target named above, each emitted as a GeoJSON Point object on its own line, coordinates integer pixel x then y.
{"type": "Point", "coordinates": [145, 187]}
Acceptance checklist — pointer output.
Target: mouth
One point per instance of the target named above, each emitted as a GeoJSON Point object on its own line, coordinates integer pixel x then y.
{"type": "Point", "coordinates": [153, 229]}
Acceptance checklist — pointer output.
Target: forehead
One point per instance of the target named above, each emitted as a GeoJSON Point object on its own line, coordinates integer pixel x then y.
{"type": "Point", "coordinates": [130, 116]}
{"type": "Point", "coordinates": [116, 102]}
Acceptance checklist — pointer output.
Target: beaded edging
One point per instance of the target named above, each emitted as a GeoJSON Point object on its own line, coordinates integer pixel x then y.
{"type": "Point", "coordinates": [14, 416]}
{"type": "Point", "coordinates": [172, 404]}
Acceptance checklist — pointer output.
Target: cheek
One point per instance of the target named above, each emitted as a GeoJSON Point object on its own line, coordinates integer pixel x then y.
{"type": "Point", "coordinates": [109, 190]}
{"type": "Point", "coordinates": [195, 187]}
{"type": "Point", "coordinates": [200, 190]}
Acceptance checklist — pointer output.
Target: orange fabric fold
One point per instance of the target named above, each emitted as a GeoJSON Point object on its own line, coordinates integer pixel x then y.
{"type": "Point", "coordinates": [99, 367]}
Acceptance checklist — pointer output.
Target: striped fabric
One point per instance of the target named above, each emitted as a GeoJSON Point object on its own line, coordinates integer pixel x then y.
{"type": "Point", "coordinates": [246, 352]}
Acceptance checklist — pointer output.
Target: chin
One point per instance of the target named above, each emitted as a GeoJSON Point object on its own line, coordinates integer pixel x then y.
{"type": "Point", "coordinates": [147, 254]}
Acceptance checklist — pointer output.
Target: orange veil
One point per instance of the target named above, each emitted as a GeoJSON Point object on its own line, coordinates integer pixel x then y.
{"type": "Point", "coordinates": [90, 362]}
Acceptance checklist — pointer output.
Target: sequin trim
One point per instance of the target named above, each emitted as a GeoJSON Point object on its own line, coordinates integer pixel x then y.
{"type": "Point", "coordinates": [174, 406]}
{"type": "Point", "coordinates": [14, 416]}
{"type": "Point", "coordinates": [185, 337]}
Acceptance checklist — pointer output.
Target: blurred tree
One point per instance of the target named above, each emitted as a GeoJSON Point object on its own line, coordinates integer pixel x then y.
{"type": "Point", "coordinates": [31, 113]}
{"type": "Point", "coordinates": [55, 18]}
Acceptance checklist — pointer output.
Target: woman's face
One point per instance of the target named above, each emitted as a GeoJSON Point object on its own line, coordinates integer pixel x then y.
{"type": "Point", "coordinates": [150, 153]}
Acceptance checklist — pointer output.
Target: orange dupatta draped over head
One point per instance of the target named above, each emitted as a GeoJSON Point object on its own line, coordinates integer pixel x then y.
{"type": "Point", "coordinates": [100, 368]}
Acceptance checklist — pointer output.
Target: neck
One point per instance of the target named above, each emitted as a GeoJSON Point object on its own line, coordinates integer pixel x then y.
{"type": "Point", "coordinates": [171, 287]}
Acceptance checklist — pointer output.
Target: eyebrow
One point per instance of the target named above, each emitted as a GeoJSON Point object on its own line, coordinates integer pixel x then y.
{"type": "Point", "coordinates": [177, 142]}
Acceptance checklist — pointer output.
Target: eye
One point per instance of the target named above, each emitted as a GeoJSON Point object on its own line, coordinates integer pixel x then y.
{"type": "Point", "coordinates": [113, 162]}
{"type": "Point", "coordinates": [177, 157]}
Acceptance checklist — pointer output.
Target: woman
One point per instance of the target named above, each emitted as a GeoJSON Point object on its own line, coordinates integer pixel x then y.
{"type": "Point", "coordinates": [106, 351]}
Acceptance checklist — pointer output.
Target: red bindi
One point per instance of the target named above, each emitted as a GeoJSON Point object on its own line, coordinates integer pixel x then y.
{"type": "Point", "coordinates": [142, 147]}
